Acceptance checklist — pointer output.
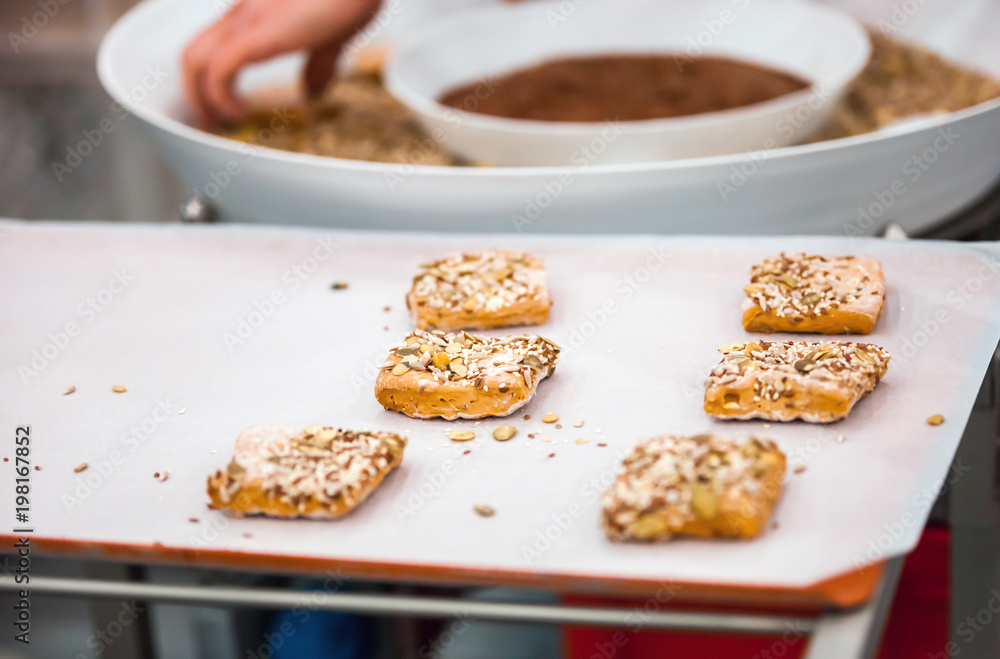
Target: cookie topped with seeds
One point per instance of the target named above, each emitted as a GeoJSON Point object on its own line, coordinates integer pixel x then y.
{"type": "Point", "coordinates": [480, 290]}
{"type": "Point", "coordinates": [316, 472]}
{"type": "Point", "coordinates": [781, 381]}
{"type": "Point", "coordinates": [704, 485]}
{"type": "Point", "coordinates": [461, 375]}
{"type": "Point", "coordinates": [813, 293]}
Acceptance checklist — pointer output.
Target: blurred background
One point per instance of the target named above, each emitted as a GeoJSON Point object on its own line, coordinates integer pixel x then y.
{"type": "Point", "coordinates": [49, 92]}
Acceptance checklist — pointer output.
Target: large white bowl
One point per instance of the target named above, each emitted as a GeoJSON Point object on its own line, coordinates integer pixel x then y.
{"type": "Point", "coordinates": [814, 188]}
{"type": "Point", "coordinates": [821, 45]}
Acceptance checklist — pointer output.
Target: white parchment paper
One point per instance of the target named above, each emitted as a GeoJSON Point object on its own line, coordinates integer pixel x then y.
{"type": "Point", "coordinates": [238, 326]}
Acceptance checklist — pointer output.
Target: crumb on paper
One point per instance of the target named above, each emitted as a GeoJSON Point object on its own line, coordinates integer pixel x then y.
{"type": "Point", "coordinates": [69, 390]}
{"type": "Point", "coordinates": [118, 389]}
{"type": "Point", "coordinates": [339, 285]}
{"type": "Point", "coordinates": [80, 467]}
{"type": "Point", "coordinates": [799, 468]}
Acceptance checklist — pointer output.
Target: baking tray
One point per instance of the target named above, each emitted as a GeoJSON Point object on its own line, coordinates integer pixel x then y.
{"type": "Point", "coordinates": [238, 326]}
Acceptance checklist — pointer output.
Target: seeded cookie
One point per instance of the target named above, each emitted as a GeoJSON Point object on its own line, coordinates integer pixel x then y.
{"type": "Point", "coordinates": [782, 381]}
{"type": "Point", "coordinates": [818, 294]}
{"type": "Point", "coordinates": [461, 375]}
{"type": "Point", "coordinates": [317, 472]}
{"type": "Point", "coordinates": [480, 290]}
{"type": "Point", "coordinates": [705, 485]}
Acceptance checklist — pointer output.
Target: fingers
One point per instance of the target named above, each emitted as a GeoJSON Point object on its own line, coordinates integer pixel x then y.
{"type": "Point", "coordinates": [219, 78]}
{"type": "Point", "coordinates": [197, 58]}
{"type": "Point", "coordinates": [193, 63]}
{"type": "Point", "coordinates": [320, 68]}
{"type": "Point", "coordinates": [255, 30]}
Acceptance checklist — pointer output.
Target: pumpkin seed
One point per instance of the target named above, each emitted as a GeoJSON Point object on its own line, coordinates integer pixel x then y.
{"type": "Point", "coordinates": [458, 367]}
{"type": "Point", "coordinates": [503, 433]}
{"type": "Point", "coordinates": [731, 347]}
{"type": "Point", "coordinates": [533, 361]}
{"type": "Point", "coordinates": [441, 359]}
{"type": "Point", "coordinates": [805, 365]}
{"type": "Point", "coordinates": [704, 502]}
{"type": "Point", "coordinates": [789, 281]}
{"type": "Point", "coordinates": [863, 355]}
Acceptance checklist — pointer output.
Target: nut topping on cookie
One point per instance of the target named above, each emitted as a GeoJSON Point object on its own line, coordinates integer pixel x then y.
{"type": "Point", "coordinates": [478, 290]}
{"type": "Point", "coordinates": [812, 293]}
{"type": "Point", "coordinates": [319, 471]}
{"type": "Point", "coordinates": [805, 377]}
{"type": "Point", "coordinates": [708, 485]}
{"type": "Point", "coordinates": [473, 358]}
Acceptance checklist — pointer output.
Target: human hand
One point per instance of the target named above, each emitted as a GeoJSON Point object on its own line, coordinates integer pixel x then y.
{"type": "Point", "coordinates": [256, 30]}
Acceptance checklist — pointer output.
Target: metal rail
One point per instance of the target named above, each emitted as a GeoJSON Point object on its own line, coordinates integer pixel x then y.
{"type": "Point", "coordinates": [406, 605]}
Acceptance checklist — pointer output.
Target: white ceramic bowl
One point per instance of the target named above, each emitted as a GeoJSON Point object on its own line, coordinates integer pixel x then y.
{"type": "Point", "coordinates": [821, 45]}
{"type": "Point", "coordinates": [806, 189]}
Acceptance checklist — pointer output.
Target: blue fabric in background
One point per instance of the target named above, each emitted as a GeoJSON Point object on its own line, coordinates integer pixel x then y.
{"type": "Point", "coordinates": [301, 633]}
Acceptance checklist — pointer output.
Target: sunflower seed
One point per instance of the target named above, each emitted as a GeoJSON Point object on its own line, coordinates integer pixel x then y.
{"type": "Point", "coordinates": [461, 435]}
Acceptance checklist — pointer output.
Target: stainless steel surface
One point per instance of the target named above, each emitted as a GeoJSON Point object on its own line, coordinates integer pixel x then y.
{"type": "Point", "coordinates": [856, 634]}
{"type": "Point", "coordinates": [408, 605]}
{"type": "Point", "coordinates": [974, 515]}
